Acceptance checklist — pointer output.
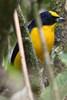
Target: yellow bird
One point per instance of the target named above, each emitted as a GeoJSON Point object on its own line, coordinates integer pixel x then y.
{"type": "Point", "coordinates": [49, 21]}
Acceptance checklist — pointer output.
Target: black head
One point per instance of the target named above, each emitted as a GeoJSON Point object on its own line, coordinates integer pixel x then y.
{"type": "Point", "coordinates": [47, 18]}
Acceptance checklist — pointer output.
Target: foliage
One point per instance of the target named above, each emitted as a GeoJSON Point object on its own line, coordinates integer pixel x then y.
{"type": "Point", "coordinates": [61, 81]}
{"type": "Point", "coordinates": [63, 58]}
{"type": "Point", "coordinates": [15, 75]}
{"type": "Point", "coordinates": [3, 98]}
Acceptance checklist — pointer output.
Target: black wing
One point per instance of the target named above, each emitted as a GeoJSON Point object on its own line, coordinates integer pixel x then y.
{"type": "Point", "coordinates": [15, 51]}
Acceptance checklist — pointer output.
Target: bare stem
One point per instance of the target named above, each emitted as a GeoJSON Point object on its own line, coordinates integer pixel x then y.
{"type": "Point", "coordinates": [23, 61]}
{"type": "Point", "coordinates": [66, 5]}
{"type": "Point", "coordinates": [48, 66]}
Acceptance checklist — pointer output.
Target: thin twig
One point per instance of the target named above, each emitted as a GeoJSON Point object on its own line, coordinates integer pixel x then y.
{"type": "Point", "coordinates": [48, 66]}
{"type": "Point", "coordinates": [23, 61]}
{"type": "Point", "coordinates": [66, 5]}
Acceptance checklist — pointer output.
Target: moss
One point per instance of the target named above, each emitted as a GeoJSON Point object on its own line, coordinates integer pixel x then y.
{"type": "Point", "coordinates": [58, 6]}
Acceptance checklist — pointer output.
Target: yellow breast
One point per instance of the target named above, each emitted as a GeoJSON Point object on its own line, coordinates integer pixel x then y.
{"type": "Point", "coordinates": [49, 37]}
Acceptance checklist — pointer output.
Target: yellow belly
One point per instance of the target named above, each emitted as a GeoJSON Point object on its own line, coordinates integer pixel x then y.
{"type": "Point", "coordinates": [17, 61]}
{"type": "Point", "coordinates": [48, 35]}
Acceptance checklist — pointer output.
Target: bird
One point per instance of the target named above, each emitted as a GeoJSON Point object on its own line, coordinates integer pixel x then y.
{"type": "Point", "coordinates": [49, 19]}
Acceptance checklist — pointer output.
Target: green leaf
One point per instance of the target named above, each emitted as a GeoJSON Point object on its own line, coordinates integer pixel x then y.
{"type": "Point", "coordinates": [61, 81]}
{"type": "Point", "coordinates": [16, 76]}
{"type": "Point", "coordinates": [3, 98]}
{"type": "Point", "coordinates": [63, 58]}
{"type": "Point", "coordinates": [46, 1]}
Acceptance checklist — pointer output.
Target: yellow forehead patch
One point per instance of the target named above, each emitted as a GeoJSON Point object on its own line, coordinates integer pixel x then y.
{"type": "Point", "coordinates": [53, 13]}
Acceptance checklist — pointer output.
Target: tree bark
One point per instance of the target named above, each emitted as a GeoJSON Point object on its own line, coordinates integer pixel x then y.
{"type": "Point", "coordinates": [59, 7]}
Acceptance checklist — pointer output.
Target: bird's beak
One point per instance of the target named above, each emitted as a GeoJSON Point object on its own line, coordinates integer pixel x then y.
{"type": "Point", "coordinates": [60, 19]}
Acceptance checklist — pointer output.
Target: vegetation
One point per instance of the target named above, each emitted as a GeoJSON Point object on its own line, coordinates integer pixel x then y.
{"type": "Point", "coordinates": [12, 81]}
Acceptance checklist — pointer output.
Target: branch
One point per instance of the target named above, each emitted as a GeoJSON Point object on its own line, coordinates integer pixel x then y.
{"type": "Point", "coordinates": [66, 5]}
{"type": "Point", "coordinates": [30, 55]}
{"type": "Point", "coordinates": [24, 66]}
{"type": "Point", "coordinates": [31, 58]}
{"type": "Point", "coordinates": [48, 66]}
